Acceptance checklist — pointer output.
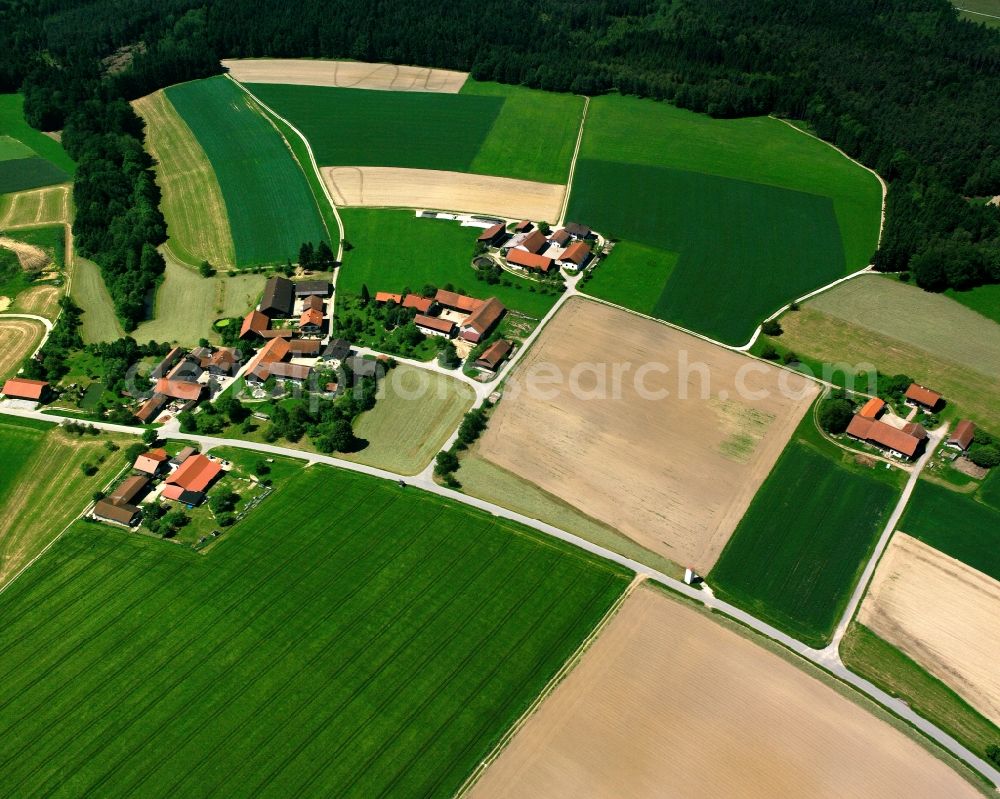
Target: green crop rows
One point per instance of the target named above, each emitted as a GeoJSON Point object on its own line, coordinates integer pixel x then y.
{"type": "Point", "coordinates": [375, 642]}
{"type": "Point", "coordinates": [270, 205]}
{"type": "Point", "coordinates": [799, 550]}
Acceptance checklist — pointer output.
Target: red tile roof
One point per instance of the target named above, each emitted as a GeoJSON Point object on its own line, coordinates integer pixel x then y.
{"type": "Point", "coordinates": [272, 352]}
{"type": "Point", "coordinates": [304, 346]}
{"type": "Point", "coordinates": [522, 226]}
{"type": "Point", "coordinates": [872, 408]}
{"type": "Point", "coordinates": [22, 388]}
{"type": "Point", "coordinates": [481, 320]}
{"type": "Point", "coordinates": [534, 242]}
{"type": "Point", "coordinates": [560, 237]}
{"type": "Point", "coordinates": [388, 296]}
{"type": "Point", "coordinates": [459, 302]}
{"type": "Point", "coordinates": [922, 395]}
{"type": "Point", "coordinates": [576, 253]}
{"type": "Point", "coordinates": [963, 434]}
{"type": "Point", "coordinates": [290, 371]}
{"type": "Point", "coordinates": [254, 322]}
{"type": "Point", "coordinates": [884, 435]}
{"type": "Point", "coordinates": [151, 407]}
{"type": "Point", "coordinates": [529, 260]}
{"type": "Point", "coordinates": [422, 304]}
{"type": "Point", "coordinates": [494, 354]}
{"type": "Point", "coordinates": [195, 474]}
{"type": "Point", "coordinates": [178, 389]}
{"type": "Point", "coordinates": [492, 232]}
{"type": "Point", "coordinates": [434, 323]}
{"type": "Point", "coordinates": [311, 317]}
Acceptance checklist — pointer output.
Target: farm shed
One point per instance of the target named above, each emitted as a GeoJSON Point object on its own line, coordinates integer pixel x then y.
{"type": "Point", "coordinates": [457, 302]}
{"type": "Point", "coordinates": [922, 397]}
{"type": "Point", "coordinates": [151, 462]}
{"type": "Point", "coordinates": [908, 442]}
{"type": "Point", "coordinates": [313, 303]}
{"type": "Point", "coordinates": [576, 255]}
{"type": "Point", "coordinates": [119, 514]}
{"type": "Point", "coordinates": [872, 409]}
{"type": "Point", "coordinates": [336, 350]}
{"type": "Point", "coordinates": [304, 346]}
{"type": "Point", "coordinates": [167, 363]}
{"type": "Point", "coordinates": [421, 304]}
{"type": "Point", "coordinates": [128, 489]}
{"type": "Point", "coordinates": [388, 296]}
{"type": "Point", "coordinates": [481, 321]}
{"type": "Point", "coordinates": [312, 288]}
{"type": "Point", "coordinates": [22, 388]}
{"type": "Point", "coordinates": [529, 260]}
{"type": "Point", "coordinates": [961, 437]}
{"type": "Point", "coordinates": [434, 325]}
{"type": "Point", "coordinates": [494, 355]}
{"type": "Point", "coordinates": [179, 389]}
{"type": "Point", "coordinates": [290, 371]}
{"type": "Point", "coordinates": [279, 297]}
{"type": "Point", "coordinates": [578, 231]}
{"type": "Point", "coordinates": [151, 408]}
{"type": "Point", "coordinates": [493, 236]}
{"type": "Point", "coordinates": [196, 473]}
{"type": "Point", "coordinates": [254, 322]}
{"type": "Point", "coordinates": [534, 242]}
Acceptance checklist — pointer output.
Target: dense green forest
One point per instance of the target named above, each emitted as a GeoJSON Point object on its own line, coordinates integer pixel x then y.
{"type": "Point", "coordinates": [905, 86]}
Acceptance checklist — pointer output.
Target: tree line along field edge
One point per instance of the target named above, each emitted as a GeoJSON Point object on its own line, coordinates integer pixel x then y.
{"type": "Point", "coordinates": [399, 606]}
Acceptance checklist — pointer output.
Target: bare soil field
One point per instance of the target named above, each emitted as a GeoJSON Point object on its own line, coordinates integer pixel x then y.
{"type": "Point", "coordinates": [37, 207]}
{"type": "Point", "coordinates": [18, 337]}
{"type": "Point", "coordinates": [943, 614]}
{"type": "Point", "coordinates": [674, 472]}
{"type": "Point", "coordinates": [395, 187]}
{"type": "Point", "coordinates": [668, 703]}
{"type": "Point", "coordinates": [345, 74]}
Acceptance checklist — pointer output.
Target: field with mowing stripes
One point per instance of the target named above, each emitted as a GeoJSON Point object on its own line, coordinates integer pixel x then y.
{"type": "Point", "coordinates": [799, 550]}
{"type": "Point", "coordinates": [270, 206]}
{"type": "Point", "coordinates": [42, 487]}
{"type": "Point", "coordinates": [750, 204]}
{"type": "Point", "coordinates": [37, 207]}
{"type": "Point", "coordinates": [197, 222]}
{"type": "Point", "coordinates": [376, 643]}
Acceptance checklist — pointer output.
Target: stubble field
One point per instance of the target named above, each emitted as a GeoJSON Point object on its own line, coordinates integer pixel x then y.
{"type": "Point", "coordinates": [943, 614]}
{"type": "Point", "coordinates": [667, 702]}
{"type": "Point", "coordinates": [673, 473]}
{"type": "Point", "coordinates": [376, 642]}
{"type": "Point", "coordinates": [37, 207]}
{"type": "Point", "coordinates": [392, 187]}
{"type": "Point", "coordinates": [18, 339]}
{"type": "Point", "coordinates": [344, 74]}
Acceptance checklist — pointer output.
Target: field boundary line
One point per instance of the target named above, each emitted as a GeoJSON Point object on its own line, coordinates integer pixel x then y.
{"type": "Point", "coordinates": [550, 686]}
{"type": "Point", "coordinates": [572, 163]}
{"type": "Point", "coordinates": [312, 159]}
{"type": "Point", "coordinates": [977, 13]}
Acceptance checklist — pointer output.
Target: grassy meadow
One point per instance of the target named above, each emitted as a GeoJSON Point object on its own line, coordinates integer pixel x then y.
{"type": "Point", "coordinates": [749, 204]}
{"type": "Point", "coordinates": [635, 278]}
{"type": "Point", "coordinates": [957, 524]}
{"type": "Point", "coordinates": [197, 220]}
{"type": "Point", "coordinates": [393, 250]}
{"type": "Point", "coordinates": [765, 245]}
{"type": "Point", "coordinates": [413, 417]}
{"type": "Point", "coordinates": [99, 322]}
{"type": "Point", "coordinates": [270, 205]}
{"type": "Point", "coordinates": [18, 339]}
{"type": "Point", "coordinates": [984, 300]}
{"type": "Point", "coordinates": [42, 485]}
{"type": "Point", "coordinates": [800, 548]}
{"type": "Point", "coordinates": [44, 206]}
{"type": "Point", "coordinates": [21, 174]}
{"type": "Point", "coordinates": [377, 642]}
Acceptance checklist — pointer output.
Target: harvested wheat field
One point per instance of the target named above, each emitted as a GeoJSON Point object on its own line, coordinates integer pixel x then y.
{"type": "Point", "coordinates": [943, 614]}
{"type": "Point", "coordinates": [39, 300]}
{"type": "Point", "coordinates": [396, 187]}
{"type": "Point", "coordinates": [31, 257]}
{"type": "Point", "coordinates": [668, 703]}
{"type": "Point", "coordinates": [345, 74]}
{"type": "Point", "coordinates": [674, 473]}
{"type": "Point", "coordinates": [18, 337]}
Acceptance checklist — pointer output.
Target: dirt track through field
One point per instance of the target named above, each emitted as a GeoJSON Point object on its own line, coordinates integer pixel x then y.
{"type": "Point", "coordinates": [345, 74]}
{"type": "Point", "coordinates": [674, 473]}
{"type": "Point", "coordinates": [18, 337]}
{"type": "Point", "coordinates": [392, 187]}
{"type": "Point", "coordinates": [669, 703]}
{"type": "Point", "coordinates": [943, 614]}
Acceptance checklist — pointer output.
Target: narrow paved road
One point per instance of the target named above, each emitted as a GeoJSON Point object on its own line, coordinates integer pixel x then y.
{"type": "Point", "coordinates": [422, 481]}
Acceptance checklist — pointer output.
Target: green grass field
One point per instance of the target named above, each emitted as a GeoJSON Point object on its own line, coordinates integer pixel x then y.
{"type": "Point", "coordinates": [749, 204]}
{"type": "Point", "coordinates": [21, 174]}
{"type": "Point", "coordinates": [411, 420]}
{"type": "Point", "coordinates": [635, 278]}
{"type": "Point", "coordinates": [797, 553]}
{"type": "Point", "coordinates": [270, 206]}
{"type": "Point", "coordinates": [765, 245]}
{"type": "Point", "coordinates": [376, 642]}
{"type": "Point", "coordinates": [187, 304]}
{"type": "Point", "coordinates": [12, 148]}
{"type": "Point", "coordinates": [48, 205]}
{"type": "Point", "coordinates": [989, 491]}
{"type": "Point", "coordinates": [956, 524]}
{"type": "Point", "coordinates": [986, 12]}
{"type": "Point", "coordinates": [14, 125]}
{"type": "Point", "coordinates": [984, 300]}
{"type": "Point", "coordinates": [359, 127]}
{"type": "Point", "coordinates": [100, 322]}
{"type": "Point", "coordinates": [197, 221]}
{"type": "Point", "coordinates": [866, 654]}
{"type": "Point", "coordinates": [393, 250]}
{"type": "Point", "coordinates": [532, 137]}
{"type": "Point", "coordinates": [42, 487]}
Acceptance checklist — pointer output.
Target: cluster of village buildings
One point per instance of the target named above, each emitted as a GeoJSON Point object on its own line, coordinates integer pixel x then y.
{"type": "Point", "coordinates": [184, 479]}
{"type": "Point", "coordinates": [905, 439]}
{"type": "Point", "coordinates": [528, 249]}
